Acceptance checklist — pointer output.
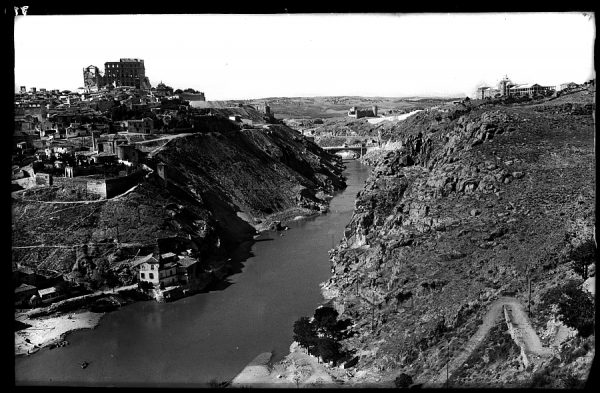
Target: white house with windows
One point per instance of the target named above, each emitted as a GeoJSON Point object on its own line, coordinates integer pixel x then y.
{"type": "Point", "coordinates": [158, 274]}
{"type": "Point", "coordinates": [149, 270]}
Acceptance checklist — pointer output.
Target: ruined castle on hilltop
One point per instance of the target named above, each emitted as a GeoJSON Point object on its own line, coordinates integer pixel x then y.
{"type": "Point", "coordinates": [125, 72]}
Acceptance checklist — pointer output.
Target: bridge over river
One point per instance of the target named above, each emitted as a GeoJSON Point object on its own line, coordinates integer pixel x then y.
{"type": "Point", "coordinates": [350, 151]}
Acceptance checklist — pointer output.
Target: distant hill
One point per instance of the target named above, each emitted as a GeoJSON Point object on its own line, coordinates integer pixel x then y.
{"type": "Point", "coordinates": [334, 106]}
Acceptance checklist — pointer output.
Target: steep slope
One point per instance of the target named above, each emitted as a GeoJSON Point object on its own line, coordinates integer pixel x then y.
{"type": "Point", "coordinates": [212, 179]}
{"type": "Point", "coordinates": [478, 200]}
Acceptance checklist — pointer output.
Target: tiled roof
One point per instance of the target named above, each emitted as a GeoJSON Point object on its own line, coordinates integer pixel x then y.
{"type": "Point", "coordinates": [187, 261]}
{"type": "Point", "coordinates": [47, 291]}
{"type": "Point", "coordinates": [24, 288]}
{"type": "Point", "coordinates": [148, 258]}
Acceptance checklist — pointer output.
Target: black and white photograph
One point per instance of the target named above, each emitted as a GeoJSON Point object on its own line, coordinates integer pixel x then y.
{"type": "Point", "coordinates": [303, 199]}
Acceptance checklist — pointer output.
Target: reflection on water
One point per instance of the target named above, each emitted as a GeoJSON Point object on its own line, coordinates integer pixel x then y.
{"type": "Point", "coordinates": [210, 335]}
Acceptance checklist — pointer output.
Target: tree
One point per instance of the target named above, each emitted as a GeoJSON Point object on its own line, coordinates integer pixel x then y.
{"type": "Point", "coordinates": [296, 372]}
{"type": "Point", "coordinates": [403, 381]}
{"type": "Point", "coordinates": [178, 91]}
{"type": "Point", "coordinates": [326, 320]}
{"type": "Point", "coordinates": [144, 285]}
{"type": "Point", "coordinates": [328, 349]}
{"type": "Point", "coordinates": [575, 306]}
{"type": "Point", "coordinates": [582, 256]}
{"type": "Point", "coordinates": [305, 333]}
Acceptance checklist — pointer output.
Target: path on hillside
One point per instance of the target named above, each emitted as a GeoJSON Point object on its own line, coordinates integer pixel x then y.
{"type": "Point", "coordinates": [522, 327]}
{"type": "Point", "coordinates": [165, 139]}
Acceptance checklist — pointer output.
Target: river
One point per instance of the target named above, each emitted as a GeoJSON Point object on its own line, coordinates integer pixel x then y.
{"type": "Point", "coordinates": [209, 336]}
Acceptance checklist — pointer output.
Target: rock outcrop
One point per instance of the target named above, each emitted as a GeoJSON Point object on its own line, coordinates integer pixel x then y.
{"type": "Point", "coordinates": [476, 200]}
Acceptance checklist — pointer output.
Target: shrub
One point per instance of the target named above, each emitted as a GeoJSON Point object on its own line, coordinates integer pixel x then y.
{"type": "Point", "coordinates": [582, 256]}
{"type": "Point", "coordinates": [403, 381]}
{"type": "Point", "coordinates": [570, 381]}
{"type": "Point", "coordinates": [575, 306]}
{"type": "Point", "coordinates": [328, 349]}
{"type": "Point", "coordinates": [541, 379]}
{"type": "Point", "coordinates": [144, 285]}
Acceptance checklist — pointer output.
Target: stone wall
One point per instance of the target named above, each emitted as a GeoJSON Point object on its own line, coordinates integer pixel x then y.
{"type": "Point", "coordinates": [118, 185]}
{"type": "Point", "coordinates": [98, 187]}
{"type": "Point", "coordinates": [105, 188]}
{"type": "Point", "coordinates": [43, 179]}
{"type": "Point", "coordinates": [212, 124]}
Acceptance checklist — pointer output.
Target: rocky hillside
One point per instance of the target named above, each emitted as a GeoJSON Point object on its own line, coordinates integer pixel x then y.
{"type": "Point", "coordinates": [479, 201]}
{"type": "Point", "coordinates": [220, 187]}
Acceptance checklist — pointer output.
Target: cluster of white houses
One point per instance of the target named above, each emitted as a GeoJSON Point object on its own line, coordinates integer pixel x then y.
{"type": "Point", "coordinates": [507, 88]}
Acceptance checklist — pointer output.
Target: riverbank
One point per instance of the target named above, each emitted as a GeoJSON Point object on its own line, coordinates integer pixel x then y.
{"type": "Point", "coordinates": [200, 339]}
{"type": "Point", "coordinates": [282, 217]}
{"type": "Point", "coordinates": [297, 369]}
{"type": "Point", "coordinates": [46, 331]}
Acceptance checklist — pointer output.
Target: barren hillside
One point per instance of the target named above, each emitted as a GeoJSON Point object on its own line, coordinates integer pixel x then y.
{"type": "Point", "coordinates": [478, 200]}
{"type": "Point", "coordinates": [220, 186]}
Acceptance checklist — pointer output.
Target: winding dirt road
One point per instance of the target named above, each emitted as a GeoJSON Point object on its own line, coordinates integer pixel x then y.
{"type": "Point", "coordinates": [523, 334]}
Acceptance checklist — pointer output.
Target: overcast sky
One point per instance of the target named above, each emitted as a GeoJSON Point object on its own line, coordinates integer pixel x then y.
{"type": "Point", "coordinates": [256, 56]}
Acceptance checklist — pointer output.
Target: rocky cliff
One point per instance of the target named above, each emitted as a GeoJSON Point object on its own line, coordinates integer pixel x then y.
{"type": "Point", "coordinates": [479, 201]}
{"type": "Point", "coordinates": [214, 190]}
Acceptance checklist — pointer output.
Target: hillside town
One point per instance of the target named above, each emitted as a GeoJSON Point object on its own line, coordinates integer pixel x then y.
{"type": "Point", "coordinates": [507, 88]}
{"type": "Point", "coordinates": [96, 143]}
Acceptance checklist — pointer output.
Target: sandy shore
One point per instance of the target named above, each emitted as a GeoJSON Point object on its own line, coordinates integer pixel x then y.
{"type": "Point", "coordinates": [284, 216]}
{"type": "Point", "coordinates": [298, 369]}
{"type": "Point", "coordinates": [50, 330]}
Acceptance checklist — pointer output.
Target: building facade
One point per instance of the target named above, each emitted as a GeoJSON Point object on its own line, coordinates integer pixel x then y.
{"type": "Point", "coordinates": [506, 88]}
{"type": "Point", "coordinates": [126, 72]}
{"type": "Point", "coordinates": [143, 126]}
{"type": "Point", "coordinates": [358, 113]}
{"type": "Point", "coordinates": [93, 80]}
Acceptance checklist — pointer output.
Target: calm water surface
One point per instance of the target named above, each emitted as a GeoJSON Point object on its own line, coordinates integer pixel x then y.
{"type": "Point", "coordinates": [208, 336]}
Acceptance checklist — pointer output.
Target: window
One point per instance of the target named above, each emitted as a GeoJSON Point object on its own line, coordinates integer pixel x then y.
{"type": "Point", "coordinates": [142, 275]}
{"type": "Point", "coordinates": [151, 275]}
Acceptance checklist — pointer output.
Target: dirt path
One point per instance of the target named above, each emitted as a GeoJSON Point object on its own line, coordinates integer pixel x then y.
{"type": "Point", "coordinates": [522, 330]}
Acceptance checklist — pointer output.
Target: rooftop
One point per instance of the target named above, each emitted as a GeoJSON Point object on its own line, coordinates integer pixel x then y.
{"type": "Point", "coordinates": [24, 288]}
{"type": "Point", "coordinates": [46, 291]}
{"type": "Point", "coordinates": [148, 258]}
{"type": "Point", "coordinates": [187, 261]}
{"type": "Point", "coordinates": [169, 265]}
